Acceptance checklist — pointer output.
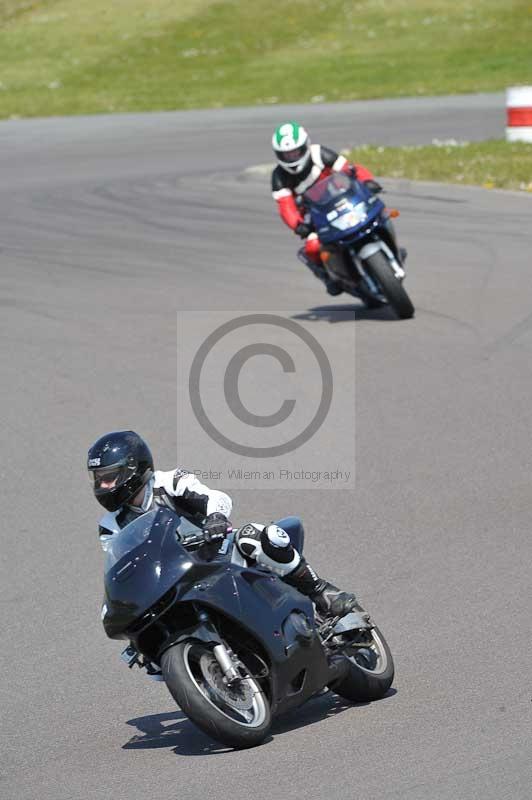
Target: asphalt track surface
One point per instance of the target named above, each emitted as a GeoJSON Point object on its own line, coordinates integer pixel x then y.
{"type": "Point", "coordinates": [111, 225]}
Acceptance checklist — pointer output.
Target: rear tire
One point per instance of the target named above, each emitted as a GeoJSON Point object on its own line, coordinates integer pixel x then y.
{"type": "Point", "coordinates": [238, 717]}
{"type": "Point", "coordinates": [381, 271]}
{"type": "Point", "coordinates": [371, 671]}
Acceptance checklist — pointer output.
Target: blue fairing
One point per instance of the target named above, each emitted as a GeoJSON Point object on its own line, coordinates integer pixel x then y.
{"type": "Point", "coordinates": [342, 209]}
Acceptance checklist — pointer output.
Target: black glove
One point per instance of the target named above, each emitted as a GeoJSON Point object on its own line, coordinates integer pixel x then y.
{"type": "Point", "coordinates": [215, 527]}
{"type": "Point", "coordinates": [373, 186]}
{"type": "Point", "coordinates": [302, 229]}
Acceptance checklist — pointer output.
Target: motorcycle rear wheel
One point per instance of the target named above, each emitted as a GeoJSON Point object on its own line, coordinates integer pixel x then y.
{"type": "Point", "coordinates": [238, 716]}
{"type": "Point", "coordinates": [380, 270]}
{"type": "Point", "coordinates": [371, 671]}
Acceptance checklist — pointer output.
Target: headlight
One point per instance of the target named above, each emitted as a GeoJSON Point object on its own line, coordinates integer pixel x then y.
{"type": "Point", "coordinates": [351, 218]}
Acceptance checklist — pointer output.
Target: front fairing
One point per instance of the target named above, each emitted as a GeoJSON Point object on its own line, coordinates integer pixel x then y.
{"type": "Point", "coordinates": [256, 599]}
{"type": "Point", "coordinates": [279, 618]}
{"type": "Point", "coordinates": [342, 214]}
{"type": "Point", "coordinates": [151, 587]}
{"type": "Point", "coordinates": [145, 561]}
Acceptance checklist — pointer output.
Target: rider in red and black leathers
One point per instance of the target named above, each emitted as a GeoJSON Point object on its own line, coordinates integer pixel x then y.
{"type": "Point", "coordinates": [287, 187]}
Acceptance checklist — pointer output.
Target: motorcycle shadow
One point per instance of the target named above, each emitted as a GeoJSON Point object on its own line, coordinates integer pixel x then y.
{"type": "Point", "coordinates": [346, 313]}
{"type": "Point", "coordinates": [319, 708]}
{"type": "Point", "coordinates": [174, 729]}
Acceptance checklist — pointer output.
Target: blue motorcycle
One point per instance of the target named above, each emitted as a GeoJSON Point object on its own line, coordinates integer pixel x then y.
{"type": "Point", "coordinates": [359, 247]}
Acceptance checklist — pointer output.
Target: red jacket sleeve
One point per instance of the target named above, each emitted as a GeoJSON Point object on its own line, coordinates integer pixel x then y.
{"type": "Point", "coordinates": [289, 211]}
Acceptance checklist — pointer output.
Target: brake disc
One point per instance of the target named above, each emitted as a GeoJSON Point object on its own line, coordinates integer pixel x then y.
{"type": "Point", "coordinates": [238, 694]}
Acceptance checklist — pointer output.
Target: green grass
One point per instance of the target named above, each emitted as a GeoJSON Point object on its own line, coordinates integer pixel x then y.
{"type": "Point", "coordinates": [70, 57]}
{"type": "Point", "coordinates": [492, 164]}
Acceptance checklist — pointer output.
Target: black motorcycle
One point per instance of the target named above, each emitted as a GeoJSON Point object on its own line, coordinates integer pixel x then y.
{"type": "Point", "coordinates": [236, 645]}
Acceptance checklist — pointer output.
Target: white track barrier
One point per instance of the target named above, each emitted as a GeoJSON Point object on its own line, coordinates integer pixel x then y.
{"type": "Point", "coordinates": [519, 114]}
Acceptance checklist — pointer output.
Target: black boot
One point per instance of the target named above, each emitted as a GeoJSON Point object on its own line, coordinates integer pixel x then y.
{"type": "Point", "coordinates": [333, 286]}
{"type": "Point", "coordinates": [330, 601]}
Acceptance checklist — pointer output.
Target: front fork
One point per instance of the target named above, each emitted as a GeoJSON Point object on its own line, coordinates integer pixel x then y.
{"type": "Point", "coordinates": [227, 665]}
{"type": "Point", "coordinates": [369, 249]}
{"type": "Point", "coordinates": [224, 656]}
{"type": "Point", "coordinates": [206, 632]}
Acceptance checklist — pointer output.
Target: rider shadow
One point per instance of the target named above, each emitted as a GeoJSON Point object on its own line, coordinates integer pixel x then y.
{"type": "Point", "coordinates": [346, 313]}
{"type": "Point", "coordinates": [174, 729]}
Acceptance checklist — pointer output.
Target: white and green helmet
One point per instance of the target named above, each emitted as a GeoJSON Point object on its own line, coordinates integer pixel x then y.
{"type": "Point", "coordinates": [291, 146]}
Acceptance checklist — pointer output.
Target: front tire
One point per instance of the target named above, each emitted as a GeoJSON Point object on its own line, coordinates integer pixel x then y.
{"type": "Point", "coordinates": [380, 270]}
{"type": "Point", "coordinates": [371, 670]}
{"type": "Point", "coordinates": [237, 716]}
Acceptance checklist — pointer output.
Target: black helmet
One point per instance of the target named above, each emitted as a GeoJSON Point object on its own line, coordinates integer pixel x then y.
{"type": "Point", "coordinates": [119, 464]}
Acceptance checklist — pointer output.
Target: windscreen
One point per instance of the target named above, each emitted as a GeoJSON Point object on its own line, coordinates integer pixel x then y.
{"type": "Point", "coordinates": [139, 530]}
{"type": "Point", "coordinates": [329, 189]}
{"type": "Point", "coordinates": [129, 537]}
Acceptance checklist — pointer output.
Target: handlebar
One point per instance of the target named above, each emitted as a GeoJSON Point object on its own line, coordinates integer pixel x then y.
{"type": "Point", "coordinates": [205, 537]}
{"type": "Point", "coordinates": [210, 538]}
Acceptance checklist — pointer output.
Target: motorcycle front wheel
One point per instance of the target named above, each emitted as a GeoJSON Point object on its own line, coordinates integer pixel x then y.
{"type": "Point", "coordinates": [237, 715]}
{"type": "Point", "coordinates": [393, 290]}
